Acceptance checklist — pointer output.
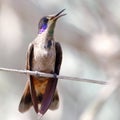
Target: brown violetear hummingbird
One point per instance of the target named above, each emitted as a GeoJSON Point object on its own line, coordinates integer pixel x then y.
{"type": "Point", "coordinates": [44, 55]}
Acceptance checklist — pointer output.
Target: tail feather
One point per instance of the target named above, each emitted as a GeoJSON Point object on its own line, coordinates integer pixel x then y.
{"type": "Point", "coordinates": [26, 101]}
{"type": "Point", "coordinates": [55, 102]}
{"type": "Point", "coordinates": [46, 96]}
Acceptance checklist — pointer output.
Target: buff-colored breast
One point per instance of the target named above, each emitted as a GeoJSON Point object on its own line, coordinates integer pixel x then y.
{"type": "Point", "coordinates": [44, 58]}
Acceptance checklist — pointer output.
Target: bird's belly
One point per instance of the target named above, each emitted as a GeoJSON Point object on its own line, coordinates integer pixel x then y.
{"type": "Point", "coordinates": [44, 60]}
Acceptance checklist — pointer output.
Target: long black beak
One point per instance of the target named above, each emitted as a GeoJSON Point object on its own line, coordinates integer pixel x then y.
{"type": "Point", "coordinates": [58, 15]}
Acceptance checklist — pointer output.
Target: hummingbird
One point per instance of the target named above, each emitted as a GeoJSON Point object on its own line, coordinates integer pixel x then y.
{"type": "Point", "coordinates": [44, 54]}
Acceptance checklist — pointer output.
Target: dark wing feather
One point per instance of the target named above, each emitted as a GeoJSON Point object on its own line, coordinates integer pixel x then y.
{"type": "Point", "coordinates": [30, 55]}
{"type": "Point", "coordinates": [58, 57]}
{"type": "Point", "coordinates": [29, 95]}
{"type": "Point", "coordinates": [51, 86]}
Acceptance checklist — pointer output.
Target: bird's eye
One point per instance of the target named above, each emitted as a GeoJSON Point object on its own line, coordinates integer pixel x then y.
{"type": "Point", "coordinates": [45, 20]}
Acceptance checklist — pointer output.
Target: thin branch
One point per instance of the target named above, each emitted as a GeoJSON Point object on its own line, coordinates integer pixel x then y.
{"type": "Point", "coordinates": [41, 74]}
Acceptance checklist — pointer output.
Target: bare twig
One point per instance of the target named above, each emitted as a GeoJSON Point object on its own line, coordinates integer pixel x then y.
{"type": "Point", "coordinates": [41, 74]}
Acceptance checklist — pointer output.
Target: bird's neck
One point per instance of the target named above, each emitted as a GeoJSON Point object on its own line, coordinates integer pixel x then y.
{"type": "Point", "coordinates": [47, 37]}
{"type": "Point", "coordinates": [48, 33]}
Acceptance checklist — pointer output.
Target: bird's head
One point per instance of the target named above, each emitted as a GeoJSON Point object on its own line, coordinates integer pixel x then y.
{"type": "Point", "coordinates": [47, 23]}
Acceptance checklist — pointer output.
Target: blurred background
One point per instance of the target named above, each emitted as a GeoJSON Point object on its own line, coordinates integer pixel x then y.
{"type": "Point", "coordinates": [90, 39]}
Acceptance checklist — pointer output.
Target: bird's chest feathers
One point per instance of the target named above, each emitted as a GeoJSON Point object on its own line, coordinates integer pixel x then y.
{"type": "Point", "coordinates": [44, 56]}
